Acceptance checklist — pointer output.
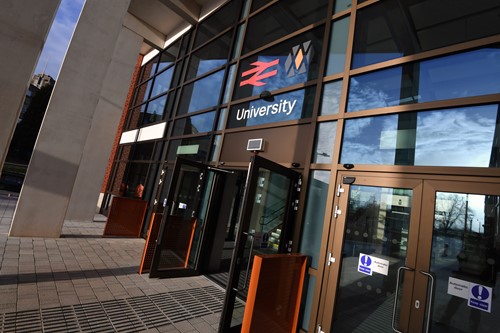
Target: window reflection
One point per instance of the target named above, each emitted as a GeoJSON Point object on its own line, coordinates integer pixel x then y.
{"type": "Point", "coordinates": [282, 19]}
{"type": "Point", "coordinates": [330, 102]}
{"type": "Point", "coordinates": [195, 124]}
{"type": "Point", "coordinates": [325, 139]}
{"type": "Point", "coordinates": [466, 74]}
{"type": "Point", "coordinates": [217, 22]}
{"type": "Point", "coordinates": [154, 110]}
{"type": "Point", "coordinates": [463, 137]}
{"type": "Point", "coordinates": [393, 28]}
{"type": "Point", "coordinates": [209, 57]}
{"type": "Point", "coordinates": [464, 250]}
{"type": "Point", "coordinates": [162, 82]}
{"type": "Point", "coordinates": [201, 94]}
{"type": "Point", "coordinates": [317, 192]}
{"type": "Point", "coordinates": [338, 46]}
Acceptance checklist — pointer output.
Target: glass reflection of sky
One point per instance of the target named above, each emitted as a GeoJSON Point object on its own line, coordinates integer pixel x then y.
{"type": "Point", "coordinates": [452, 137]}
{"type": "Point", "coordinates": [162, 82]}
{"type": "Point", "coordinates": [467, 74]}
{"type": "Point", "coordinates": [205, 66]}
{"type": "Point", "coordinates": [203, 122]}
{"type": "Point", "coordinates": [206, 92]}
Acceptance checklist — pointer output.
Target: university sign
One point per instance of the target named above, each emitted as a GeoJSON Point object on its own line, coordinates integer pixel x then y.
{"type": "Point", "coordinates": [274, 73]}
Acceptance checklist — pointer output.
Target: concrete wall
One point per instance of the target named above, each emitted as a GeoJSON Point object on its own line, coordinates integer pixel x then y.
{"type": "Point", "coordinates": [102, 133]}
{"type": "Point", "coordinates": [84, 99]}
{"type": "Point", "coordinates": [24, 26]}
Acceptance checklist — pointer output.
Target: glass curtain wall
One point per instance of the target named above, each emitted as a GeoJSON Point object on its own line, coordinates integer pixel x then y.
{"type": "Point", "coordinates": [412, 83]}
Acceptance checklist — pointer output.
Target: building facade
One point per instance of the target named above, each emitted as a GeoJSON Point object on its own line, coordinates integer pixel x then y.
{"type": "Point", "coordinates": [389, 113]}
{"type": "Point", "coordinates": [364, 134]}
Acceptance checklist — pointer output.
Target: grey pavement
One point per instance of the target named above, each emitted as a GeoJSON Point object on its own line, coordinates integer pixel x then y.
{"type": "Point", "coordinates": [83, 282]}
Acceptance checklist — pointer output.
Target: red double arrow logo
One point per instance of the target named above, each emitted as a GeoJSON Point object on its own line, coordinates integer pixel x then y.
{"type": "Point", "coordinates": [258, 73]}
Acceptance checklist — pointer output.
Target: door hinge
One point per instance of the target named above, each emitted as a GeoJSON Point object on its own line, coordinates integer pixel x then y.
{"type": "Point", "coordinates": [337, 212]}
{"type": "Point", "coordinates": [296, 205]}
{"type": "Point", "coordinates": [320, 330]}
{"type": "Point", "coordinates": [331, 259]}
{"type": "Point", "coordinates": [299, 184]}
{"type": "Point", "coordinates": [339, 190]}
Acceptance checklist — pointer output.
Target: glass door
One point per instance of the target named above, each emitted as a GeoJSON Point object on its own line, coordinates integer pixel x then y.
{"type": "Point", "coordinates": [179, 238]}
{"type": "Point", "coordinates": [459, 268]}
{"type": "Point", "coordinates": [413, 255]}
{"type": "Point", "coordinates": [265, 227]}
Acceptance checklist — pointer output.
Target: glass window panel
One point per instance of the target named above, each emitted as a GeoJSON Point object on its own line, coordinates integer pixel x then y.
{"type": "Point", "coordinates": [467, 74]}
{"type": "Point", "coordinates": [210, 56]}
{"type": "Point", "coordinates": [154, 110]}
{"type": "Point", "coordinates": [461, 137]}
{"type": "Point", "coordinates": [201, 94]}
{"type": "Point", "coordinates": [239, 40]}
{"type": "Point", "coordinates": [135, 115]}
{"type": "Point", "coordinates": [291, 62]}
{"type": "Point", "coordinates": [306, 313]}
{"type": "Point", "coordinates": [142, 151]}
{"type": "Point", "coordinates": [338, 46]}
{"type": "Point", "coordinates": [256, 4]}
{"type": "Point", "coordinates": [377, 223]}
{"type": "Point", "coordinates": [218, 22]}
{"type": "Point", "coordinates": [330, 102]}
{"type": "Point", "coordinates": [162, 82]}
{"type": "Point", "coordinates": [325, 140]}
{"type": "Point", "coordinates": [341, 5]}
{"type": "Point", "coordinates": [169, 55]}
{"type": "Point", "coordinates": [288, 106]}
{"type": "Point", "coordinates": [195, 124]}
{"type": "Point", "coordinates": [142, 93]}
{"type": "Point", "coordinates": [314, 216]}
{"type": "Point", "coordinates": [222, 119]}
{"type": "Point", "coordinates": [282, 19]}
{"type": "Point", "coordinates": [231, 76]}
{"type": "Point", "coordinates": [383, 33]}
{"type": "Point", "coordinates": [132, 183]}
{"type": "Point", "coordinates": [193, 148]}
{"type": "Point", "coordinates": [465, 250]}
{"type": "Point", "coordinates": [216, 147]}
{"type": "Point", "coordinates": [149, 69]}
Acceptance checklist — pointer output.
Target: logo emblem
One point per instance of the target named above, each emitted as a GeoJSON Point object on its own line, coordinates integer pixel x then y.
{"type": "Point", "coordinates": [258, 71]}
{"type": "Point", "coordinates": [299, 59]}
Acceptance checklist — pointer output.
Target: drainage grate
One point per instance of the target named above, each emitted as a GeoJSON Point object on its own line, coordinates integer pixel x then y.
{"type": "Point", "coordinates": [124, 315]}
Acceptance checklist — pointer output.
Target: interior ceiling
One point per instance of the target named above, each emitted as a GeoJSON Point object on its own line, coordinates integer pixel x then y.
{"type": "Point", "coordinates": [167, 16]}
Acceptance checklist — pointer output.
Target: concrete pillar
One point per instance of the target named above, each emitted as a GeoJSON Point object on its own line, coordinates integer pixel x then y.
{"type": "Point", "coordinates": [24, 26]}
{"type": "Point", "coordinates": [83, 201]}
{"type": "Point", "coordinates": [85, 96]}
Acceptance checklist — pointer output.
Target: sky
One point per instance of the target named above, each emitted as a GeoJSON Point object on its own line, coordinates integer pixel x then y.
{"type": "Point", "coordinates": [59, 36]}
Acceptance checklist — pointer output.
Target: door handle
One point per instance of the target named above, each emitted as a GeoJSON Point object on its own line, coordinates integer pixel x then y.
{"type": "Point", "coordinates": [396, 296]}
{"type": "Point", "coordinates": [429, 305]}
{"type": "Point", "coordinates": [249, 260]}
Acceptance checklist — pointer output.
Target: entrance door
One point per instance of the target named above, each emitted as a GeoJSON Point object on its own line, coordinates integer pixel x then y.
{"type": "Point", "coordinates": [413, 255]}
{"type": "Point", "coordinates": [265, 227]}
{"type": "Point", "coordinates": [180, 232]}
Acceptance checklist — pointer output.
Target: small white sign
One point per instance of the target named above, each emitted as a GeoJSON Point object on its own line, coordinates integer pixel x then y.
{"type": "Point", "coordinates": [459, 288]}
{"type": "Point", "coordinates": [380, 266]}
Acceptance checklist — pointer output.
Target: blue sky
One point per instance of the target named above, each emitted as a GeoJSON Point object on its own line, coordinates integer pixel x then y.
{"type": "Point", "coordinates": [59, 36]}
